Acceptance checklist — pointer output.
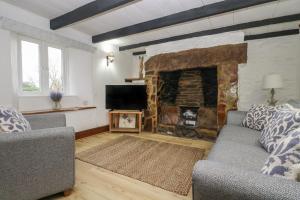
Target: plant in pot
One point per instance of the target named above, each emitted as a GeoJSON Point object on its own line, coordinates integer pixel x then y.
{"type": "Point", "coordinates": [56, 88]}
{"type": "Point", "coordinates": [56, 97]}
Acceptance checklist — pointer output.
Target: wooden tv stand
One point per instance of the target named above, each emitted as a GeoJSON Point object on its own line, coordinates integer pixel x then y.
{"type": "Point", "coordinates": [114, 119]}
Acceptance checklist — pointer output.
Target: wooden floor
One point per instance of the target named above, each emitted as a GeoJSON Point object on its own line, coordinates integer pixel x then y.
{"type": "Point", "coordinates": [95, 183]}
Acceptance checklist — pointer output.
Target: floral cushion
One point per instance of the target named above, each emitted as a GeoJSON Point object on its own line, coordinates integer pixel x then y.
{"type": "Point", "coordinates": [285, 159]}
{"type": "Point", "coordinates": [258, 116]}
{"type": "Point", "coordinates": [12, 121]}
{"type": "Point", "coordinates": [282, 122]}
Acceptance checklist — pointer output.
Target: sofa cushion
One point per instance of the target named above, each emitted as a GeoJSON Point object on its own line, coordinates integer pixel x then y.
{"type": "Point", "coordinates": [285, 159]}
{"type": "Point", "coordinates": [282, 122]}
{"type": "Point", "coordinates": [239, 134]}
{"type": "Point", "coordinates": [243, 156]}
{"type": "Point", "coordinates": [258, 116]}
{"type": "Point", "coordinates": [12, 121]}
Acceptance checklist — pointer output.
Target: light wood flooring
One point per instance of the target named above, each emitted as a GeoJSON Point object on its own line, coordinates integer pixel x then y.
{"type": "Point", "coordinates": [95, 183]}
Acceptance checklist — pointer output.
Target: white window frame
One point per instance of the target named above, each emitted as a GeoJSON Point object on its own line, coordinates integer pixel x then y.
{"type": "Point", "coordinates": [43, 68]}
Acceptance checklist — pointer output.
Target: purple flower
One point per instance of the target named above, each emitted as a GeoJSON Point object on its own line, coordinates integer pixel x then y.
{"type": "Point", "coordinates": [56, 96]}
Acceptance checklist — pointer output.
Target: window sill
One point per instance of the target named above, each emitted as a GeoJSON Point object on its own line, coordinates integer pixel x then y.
{"type": "Point", "coordinates": [40, 95]}
{"type": "Point", "coordinates": [72, 109]}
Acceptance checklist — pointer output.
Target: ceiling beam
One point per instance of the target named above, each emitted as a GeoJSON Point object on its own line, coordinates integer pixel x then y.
{"type": "Point", "coordinates": [181, 17]}
{"type": "Point", "coordinates": [139, 53]}
{"type": "Point", "coordinates": [272, 34]}
{"type": "Point", "coordinates": [236, 27]}
{"type": "Point", "coordinates": [89, 10]}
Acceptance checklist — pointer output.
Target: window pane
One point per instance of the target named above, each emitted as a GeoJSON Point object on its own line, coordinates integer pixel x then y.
{"type": "Point", "coordinates": [55, 69]}
{"type": "Point", "coordinates": [30, 66]}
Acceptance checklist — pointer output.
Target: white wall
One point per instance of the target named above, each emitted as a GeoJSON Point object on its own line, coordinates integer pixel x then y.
{"type": "Point", "coordinates": [80, 75]}
{"type": "Point", "coordinates": [198, 42]}
{"type": "Point", "coordinates": [274, 55]}
{"type": "Point", "coordinates": [279, 55]}
{"type": "Point", "coordinates": [6, 83]}
{"type": "Point", "coordinates": [113, 74]}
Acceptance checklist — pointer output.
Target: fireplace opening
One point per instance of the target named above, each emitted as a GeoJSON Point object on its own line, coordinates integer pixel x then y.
{"type": "Point", "coordinates": [187, 102]}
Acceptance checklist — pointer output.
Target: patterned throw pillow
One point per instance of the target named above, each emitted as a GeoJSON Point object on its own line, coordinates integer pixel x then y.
{"type": "Point", "coordinates": [285, 160]}
{"type": "Point", "coordinates": [282, 122]}
{"type": "Point", "coordinates": [258, 116]}
{"type": "Point", "coordinates": [12, 121]}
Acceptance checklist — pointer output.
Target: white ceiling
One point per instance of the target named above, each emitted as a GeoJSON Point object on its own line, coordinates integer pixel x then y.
{"type": "Point", "coordinates": [144, 10]}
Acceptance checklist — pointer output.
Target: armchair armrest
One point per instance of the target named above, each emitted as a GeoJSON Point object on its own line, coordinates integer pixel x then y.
{"type": "Point", "coordinates": [212, 180]}
{"type": "Point", "coordinates": [36, 164]}
{"type": "Point", "coordinates": [44, 121]}
{"type": "Point", "coordinates": [235, 117]}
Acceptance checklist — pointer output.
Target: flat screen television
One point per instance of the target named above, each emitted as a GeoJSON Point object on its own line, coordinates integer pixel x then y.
{"type": "Point", "coordinates": [126, 97]}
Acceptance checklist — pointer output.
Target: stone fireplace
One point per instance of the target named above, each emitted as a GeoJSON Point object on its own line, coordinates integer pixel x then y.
{"type": "Point", "coordinates": [187, 91]}
{"type": "Point", "coordinates": [204, 80]}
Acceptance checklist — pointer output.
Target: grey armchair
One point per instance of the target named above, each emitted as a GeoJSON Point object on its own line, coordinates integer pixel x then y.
{"type": "Point", "coordinates": [37, 163]}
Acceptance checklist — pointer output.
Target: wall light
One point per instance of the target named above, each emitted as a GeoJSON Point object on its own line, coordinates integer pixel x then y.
{"type": "Point", "coordinates": [110, 59]}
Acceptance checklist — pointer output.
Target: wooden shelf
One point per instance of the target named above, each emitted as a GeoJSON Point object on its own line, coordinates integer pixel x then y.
{"type": "Point", "coordinates": [71, 109]}
{"type": "Point", "coordinates": [130, 80]}
{"type": "Point", "coordinates": [125, 112]}
{"type": "Point", "coordinates": [114, 117]}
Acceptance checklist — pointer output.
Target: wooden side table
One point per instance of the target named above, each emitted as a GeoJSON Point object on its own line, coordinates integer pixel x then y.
{"type": "Point", "coordinates": [114, 121]}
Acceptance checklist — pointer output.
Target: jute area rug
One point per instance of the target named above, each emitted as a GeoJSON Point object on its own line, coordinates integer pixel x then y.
{"type": "Point", "coordinates": [165, 165]}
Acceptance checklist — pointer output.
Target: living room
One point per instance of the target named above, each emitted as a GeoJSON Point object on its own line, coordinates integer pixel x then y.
{"type": "Point", "coordinates": [141, 99]}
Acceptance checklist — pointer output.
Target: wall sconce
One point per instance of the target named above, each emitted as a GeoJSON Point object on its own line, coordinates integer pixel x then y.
{"type": "Point", "coordinates": [110, 59]}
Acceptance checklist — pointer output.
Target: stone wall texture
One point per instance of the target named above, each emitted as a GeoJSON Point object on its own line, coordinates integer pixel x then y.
{"type": "Point", "coordinates": [226, 58]}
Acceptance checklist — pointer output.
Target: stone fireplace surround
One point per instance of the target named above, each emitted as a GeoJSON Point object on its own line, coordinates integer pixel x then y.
{"type": "Point", "coordinates": [226, 58]}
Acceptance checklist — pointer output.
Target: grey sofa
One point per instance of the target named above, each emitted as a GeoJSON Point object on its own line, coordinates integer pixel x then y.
{"type": "Point", "coordinates": [232, 169]}
{"type": "Point", "coordinates": [38, 163]}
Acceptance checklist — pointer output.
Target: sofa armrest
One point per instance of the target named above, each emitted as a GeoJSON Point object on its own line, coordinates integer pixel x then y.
{"type": "Point", "coordinates": [213, 180]}
{"type": "Point", "coordinates": [235, 117]}
{"type": "Point", "coordinates": [36, 164]}
{"type": "Point", "coordinates": [44, 121]}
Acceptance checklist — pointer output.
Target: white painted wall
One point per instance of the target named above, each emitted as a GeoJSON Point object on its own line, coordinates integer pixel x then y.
{"type": "Point", "coordinates": [274, 55]}
{"type": "Point", "coordinates": [80, 75]}
{"type": "Point", "coordinates": [198, 42]}
{"type": "Point", "coordinates": [6, 84]}
{"type": "Point", "coordinates": [113, 74]}
{"type": "Point", "coordinates": [279, 55]}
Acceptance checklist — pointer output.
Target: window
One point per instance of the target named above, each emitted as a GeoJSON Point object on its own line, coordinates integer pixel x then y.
{"type": "Point", "coordinates": [42, 68]}
{"type": "Point", "coordinates": [55, 65]}
{"type": "Point", "coordinates": [30, 67]}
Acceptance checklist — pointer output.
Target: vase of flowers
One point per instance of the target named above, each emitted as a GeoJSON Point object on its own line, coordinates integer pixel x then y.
{"type": "Point", "coordinates": [56, 97]}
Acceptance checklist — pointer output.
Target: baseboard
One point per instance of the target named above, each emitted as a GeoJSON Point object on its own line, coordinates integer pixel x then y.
{"type": "Point", "coordinates": [90, 132]}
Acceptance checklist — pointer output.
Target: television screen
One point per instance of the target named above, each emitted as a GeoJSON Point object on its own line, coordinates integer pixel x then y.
{"type": "Point", "coordinates": [126, 97]}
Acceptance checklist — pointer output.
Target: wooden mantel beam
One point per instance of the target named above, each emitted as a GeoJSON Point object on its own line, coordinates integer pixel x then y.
{"type": "Point", "coordinates": [86, 11]}
{"type": "Point", "coordinates": [181, 17]}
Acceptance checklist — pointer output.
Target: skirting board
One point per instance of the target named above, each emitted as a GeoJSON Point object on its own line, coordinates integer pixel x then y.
{"type": "Point", "coordinates": [90, 132]}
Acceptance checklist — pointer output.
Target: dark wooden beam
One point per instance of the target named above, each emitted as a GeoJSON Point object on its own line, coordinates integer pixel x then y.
{"type": "Point", "coordinates": [236, 27]}
{"type": "Point", "coordinates": [181, 17]}
{"type": "Point", "coordinates": [139, 53]}
{"type": "Point", "coordinates": [272, 34]}
{"type": "Point", "coordinates": [91, 9]}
